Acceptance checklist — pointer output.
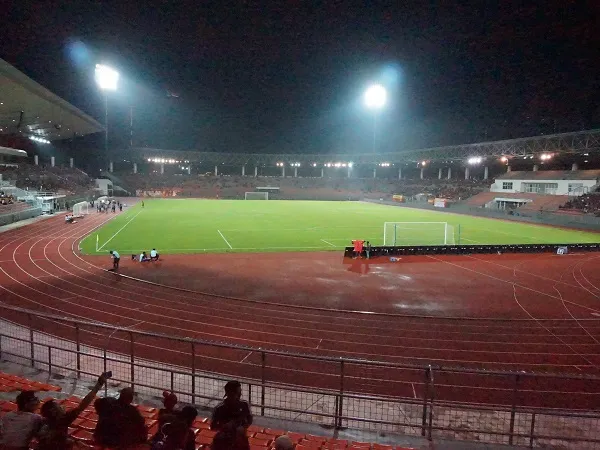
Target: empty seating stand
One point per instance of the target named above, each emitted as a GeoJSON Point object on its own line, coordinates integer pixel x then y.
{"type": "Point", "coordinates": [260, 438]}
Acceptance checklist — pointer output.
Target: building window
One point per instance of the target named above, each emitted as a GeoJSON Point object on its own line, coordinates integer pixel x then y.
{"type": "Point", "coordinates": [507, 185]}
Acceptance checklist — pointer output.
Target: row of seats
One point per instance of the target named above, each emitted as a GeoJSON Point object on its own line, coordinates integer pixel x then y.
{"type": "Point", "coordinates": [260, 438]}
{"type": "Point", "coordinates": [11, 383]}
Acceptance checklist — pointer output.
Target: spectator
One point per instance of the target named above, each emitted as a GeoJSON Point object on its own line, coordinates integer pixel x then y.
{"type": "Point", "coordinates": [120, 424]}
{"type": "Point", "coordinates": [177, 433]}
{"type": "Point", "coordinates": [283, 443]}
{"type": "Point", "coordinates": [232, 412]}
{"type": "Point", "coordinates": [19, 427]}
{"type": "Point", "coordinates": [55, 432]}
{"type": "Point", "coordinates": [165, 414]}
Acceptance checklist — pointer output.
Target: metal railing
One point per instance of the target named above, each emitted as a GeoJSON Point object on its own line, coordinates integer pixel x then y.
{"type": "Point", "coordinates": [517, 408]}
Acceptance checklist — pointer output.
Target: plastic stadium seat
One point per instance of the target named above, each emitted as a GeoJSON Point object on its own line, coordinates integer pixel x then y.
{"type": "Point", "coordinates": [264, 436]}
{"type": "Point", "coordinates": [205, 437]}
{"type": "Point", "coordinates": [83, 435]}
{"type": "Point", "coordinates": [254, 429]}
{"type": "Point", "coordinates": [274, 432]}
{"type": "Point", "coordinates": [264, 443]}
{"type": "Point", "coordinates": [295, 437]}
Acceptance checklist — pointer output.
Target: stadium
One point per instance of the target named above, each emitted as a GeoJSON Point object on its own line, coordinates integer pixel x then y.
{"type": "Point", "coordinates": [473, 317]}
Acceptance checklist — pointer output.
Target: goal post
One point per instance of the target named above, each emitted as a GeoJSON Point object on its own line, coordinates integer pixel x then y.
{"type": "Point", "coordinates": [81, 208]}
{"type": "Point", "coordinates": [256, 196]}
{"type": "Point", "coordinates": [418, 233]}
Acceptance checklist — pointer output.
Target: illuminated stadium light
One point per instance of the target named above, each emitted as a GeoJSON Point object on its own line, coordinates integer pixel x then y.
{"type": "Point", "coordinates": [385, 164]}
{"type": "Point", "coordinates": [314, 164]}
{"type": "Point", "coordinates": [546, 156]}
{"type": "Point", "coordinates": [107, 78]}
{"type": "Point", "coordinates": [375, 97]}
{"type": "Point", "coordinates": [504, 159]}
{"type": "Point", "coordinates": [474, 160]}
{"type": "Point", "coordinates": [350, 164]}
{"type": "Point", "coordinates": [423, 163]}
{"type": "Point", "coordinates": [343, 164]}
{"type": "Point", "coordinates": [39, 139]}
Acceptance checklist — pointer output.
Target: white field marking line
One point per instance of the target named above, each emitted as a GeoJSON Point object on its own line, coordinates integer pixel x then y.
{"type": "Point", "coordinates": [470, 240]}
{"type": "Point", "coordinates": [246, 357]}
{"type": "Point", "coordinates": [119, 230]}
{"type": "Point", "coordinates": [329, 243]}
{"type": "Point", "coordinates": [525, 272]}
{"type": "Point", "coordinates": [226, 241]}
{"type": "Point", "coordinates": [494, 278]}
{"type": "Point", "coordinates": [167, 250]}
{"type": "Point", "coordinates": [582, 356]}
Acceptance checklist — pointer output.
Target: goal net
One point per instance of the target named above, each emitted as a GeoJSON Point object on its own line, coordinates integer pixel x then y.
{"type": "Point", "coordinates": [256, 196]}
{"type": "Point", "coordinates": [418, 233]}
{"type": "Point", "coordinates": [81, 208]}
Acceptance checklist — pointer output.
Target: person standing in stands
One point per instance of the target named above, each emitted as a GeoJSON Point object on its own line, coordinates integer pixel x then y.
{"type": "Point", "coordinates": [116, 259]}
{"type": "Point", "coordinates": [233, 413]}
{"type": "Point", "coordinates": [17, 428]}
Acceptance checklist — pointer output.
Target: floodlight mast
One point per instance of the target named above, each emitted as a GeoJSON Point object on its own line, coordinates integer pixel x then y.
{"type": "Point", "coordinates": [107, 79]}
{"type": "Point", "coordinates": [375, 99]}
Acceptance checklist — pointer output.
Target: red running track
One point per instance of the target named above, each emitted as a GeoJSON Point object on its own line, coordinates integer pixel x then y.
{"type": "Point", "coordinates": [534, 313]}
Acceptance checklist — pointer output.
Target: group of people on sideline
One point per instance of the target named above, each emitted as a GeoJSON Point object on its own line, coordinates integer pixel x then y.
{"type": "Point", "coordinates": [143, 257]}
{"type": "Point", "coordinates": [120, 424]}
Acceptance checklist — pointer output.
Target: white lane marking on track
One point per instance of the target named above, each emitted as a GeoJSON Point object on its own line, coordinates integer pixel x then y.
{"type": "Point", "coordinates": [414, 391]}
{"type": "Point", "coordinates": [246, 357]}
{"type": "Point", "coordinates": [226, 241]}
{"type": "Point", "coordinates": [119, 230]}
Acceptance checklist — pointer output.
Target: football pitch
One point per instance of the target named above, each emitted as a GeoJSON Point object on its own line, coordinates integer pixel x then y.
{"type": "Point", "coordinates": [198, 226]}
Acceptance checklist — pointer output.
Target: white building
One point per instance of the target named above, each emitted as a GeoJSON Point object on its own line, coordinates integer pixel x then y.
{"type": "Point", "coordinates": [555, 182]}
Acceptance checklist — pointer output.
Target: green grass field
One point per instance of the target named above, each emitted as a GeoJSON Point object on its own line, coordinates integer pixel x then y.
{"type": "Point", "coordinates": [195, 226]}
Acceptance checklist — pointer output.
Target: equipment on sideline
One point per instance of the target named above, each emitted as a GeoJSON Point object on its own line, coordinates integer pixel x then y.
{"type": "Point", "coordinates": [418, 233]}
{"type": "Point", "coordinates": [81, 208]}
{"type": "Point", "coordinates": [562, 250]}
{"type": "Point", "coordinates": [256, 196]}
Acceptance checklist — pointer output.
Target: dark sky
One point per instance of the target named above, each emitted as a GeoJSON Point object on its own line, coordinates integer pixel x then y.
{"type": "Point", "coordinates": [289, 75]}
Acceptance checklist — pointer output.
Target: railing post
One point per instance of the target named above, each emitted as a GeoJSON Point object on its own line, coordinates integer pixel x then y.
{"type": "Point", "coordinates": [341, 402]}
{"type": "Point", "coordinates": [532, 431]}
{"type": "Point", "coordinates": [193, 373]}
{"type": "Point", "coordinates": [105, 370]}
{"type": "Point", "coordinates": [513, 410]}
{"type": "Point", "coordinates": [31, 346]}
{"type": "Point", "coordinates": [263, 377]}
{"type": "Point", "coordinates": [425, 394]}
{"type": "Point", "coordinates": [78, 348]}
{"type": "Point", "coordinates": [172, 381]}
{"type": "Point", "coordinates": [432, 399]}
{"type": "Point", "coordinates": [49, 360]}
{"type": "Point", "coordinates": [132, 359]}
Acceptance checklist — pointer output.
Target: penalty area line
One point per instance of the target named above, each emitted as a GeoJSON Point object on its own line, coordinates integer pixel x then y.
{"type": "Point", "coordinates": [226, 241]}
{"type": "Point", "coordinates": [119, 230]}
{"type": "Point", "coordinates": [328, 243]}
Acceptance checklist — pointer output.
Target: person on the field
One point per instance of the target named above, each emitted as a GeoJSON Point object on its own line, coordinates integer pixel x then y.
{"type": "Point", "coordinates": [153, 255]}
{"type": "Point", "coordinates": [368, 249]}
{"type": "Point", "coordinates": [358, 247]}
{"type": "Point", "coordinates": [144, 257]}
{"type": "Point", "coordinates": [116, 259]}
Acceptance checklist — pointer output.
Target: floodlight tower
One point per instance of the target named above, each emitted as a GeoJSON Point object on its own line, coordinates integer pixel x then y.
{"type": "Point", "coordinates": [375, 99]}
{"type": "Point", "coordinates": [107, 79]}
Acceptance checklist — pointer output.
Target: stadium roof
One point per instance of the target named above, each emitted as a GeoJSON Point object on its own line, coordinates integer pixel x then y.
{"type": "Point", "coordinates": [551, 175]}
{"type": "Point", "coordinates": [28, 108]}
{"type": "Point", "coordinates": [576, 142]}
{"type": "Point", "coordinates": [12, 151]}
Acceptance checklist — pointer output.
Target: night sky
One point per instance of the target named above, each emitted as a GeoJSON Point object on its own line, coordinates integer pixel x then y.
{"type": "Point", "coordinates": [288, 76]}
